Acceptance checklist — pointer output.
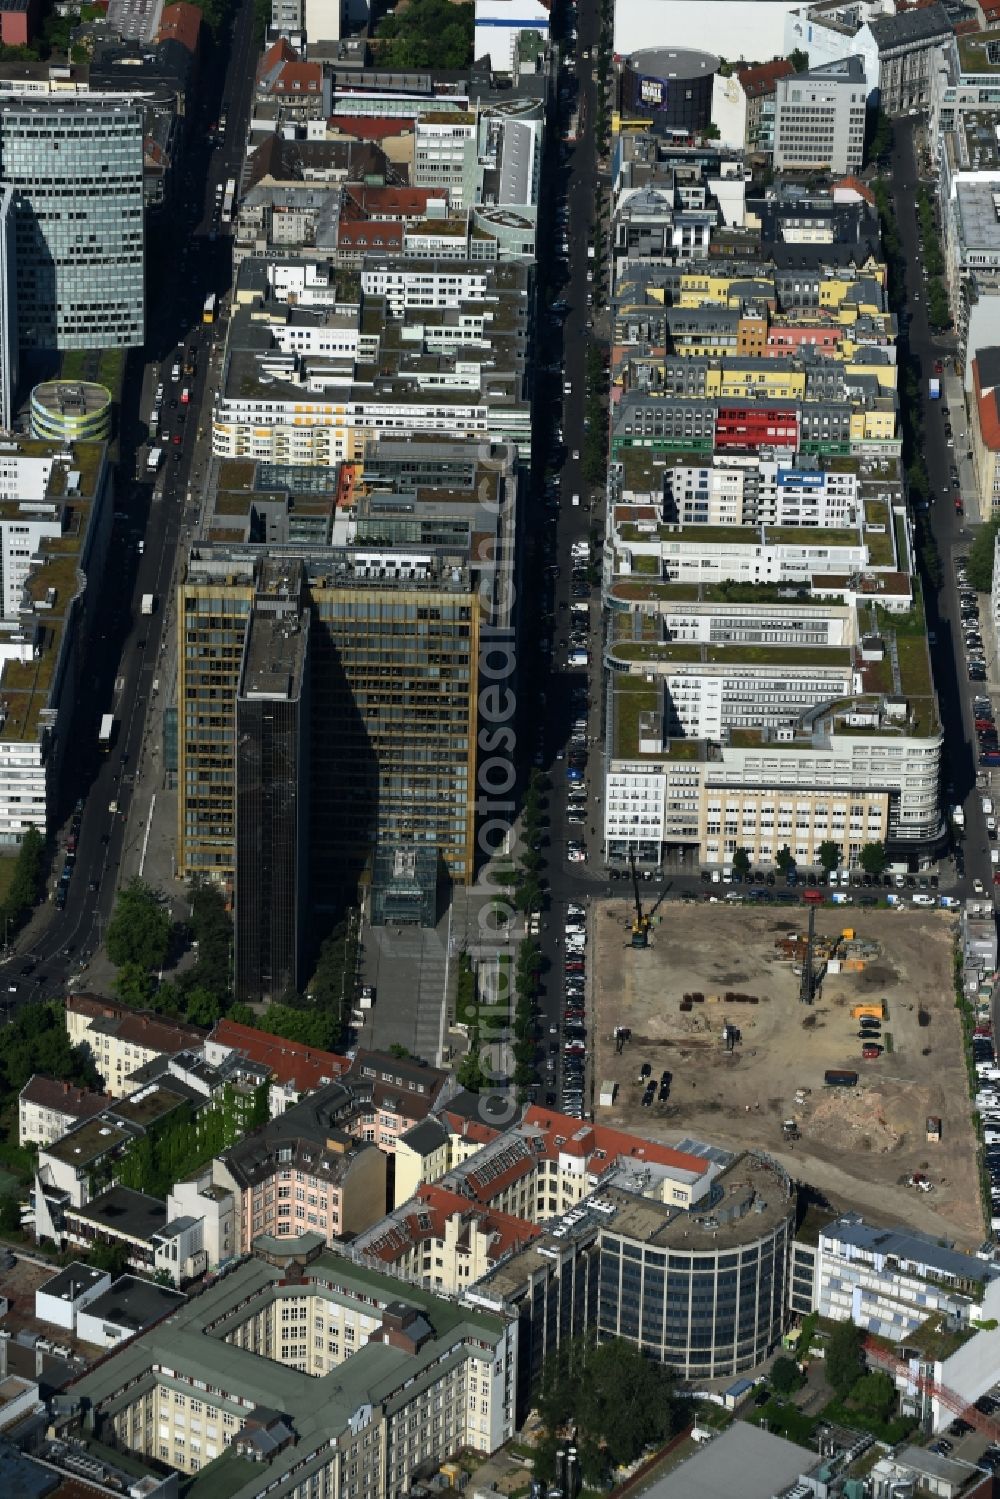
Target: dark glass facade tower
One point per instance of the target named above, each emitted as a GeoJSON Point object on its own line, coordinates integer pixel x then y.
{"type": "Point", "coordinates": [272, 735]}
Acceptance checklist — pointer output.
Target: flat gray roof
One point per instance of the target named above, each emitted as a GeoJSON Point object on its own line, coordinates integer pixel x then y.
{"type": "Point", "coordinates": [134, 1303]}
{"type": "Point", "coordinates": [742, 1460]}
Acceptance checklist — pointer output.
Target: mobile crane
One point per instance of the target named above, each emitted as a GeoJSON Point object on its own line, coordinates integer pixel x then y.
{"type": "Point", "coordinates": [640, 923]}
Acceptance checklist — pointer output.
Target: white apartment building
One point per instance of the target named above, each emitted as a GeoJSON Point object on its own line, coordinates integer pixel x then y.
{"type": "Point", "coordinates": [49, 1107]}
{"type": "Point", "coordinates": [446, 155]}
{"type": "Point", "coordinates": [889, 1281]}
{"type": "Point", "coordinates": [749, 491]}
{"type": "Point", "coordinates": [706, 554]}
{"type": "Point", "coordinates": [122, 1040]}
{"type": "Point", "coordinates": [416, 284]}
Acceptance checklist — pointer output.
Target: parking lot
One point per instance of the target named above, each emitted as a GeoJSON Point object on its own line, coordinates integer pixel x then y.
{"type": "Point", "coordinates": [746, 1061]}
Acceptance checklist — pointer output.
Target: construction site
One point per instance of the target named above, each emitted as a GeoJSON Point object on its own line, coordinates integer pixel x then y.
{"type": "Point", "coordinates": [830, 1039]}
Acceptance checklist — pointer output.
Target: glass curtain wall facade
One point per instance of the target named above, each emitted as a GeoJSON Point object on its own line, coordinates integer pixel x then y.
{"type": "Point", "coordinates": [75, 168]}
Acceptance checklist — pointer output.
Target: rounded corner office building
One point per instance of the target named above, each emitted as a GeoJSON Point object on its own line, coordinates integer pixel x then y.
{"type": "Point", "coordinates": [71, 411]}
{"type": "Point", "coordinates": [671, 84]}
{"type": "Point", "coordinates": [705, 1289]}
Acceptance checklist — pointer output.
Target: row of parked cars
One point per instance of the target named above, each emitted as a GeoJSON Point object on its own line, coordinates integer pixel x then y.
{"type": "Point", "coordinates": [968, 608]}
{"type": "Point", "coordinates": [987, 1102]}
{"type": "Point", "coordinates": [570, 1036]}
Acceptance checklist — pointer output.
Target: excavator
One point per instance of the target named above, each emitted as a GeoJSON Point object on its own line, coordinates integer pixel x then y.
{"type": "Point", "coordinates": [640, 922]}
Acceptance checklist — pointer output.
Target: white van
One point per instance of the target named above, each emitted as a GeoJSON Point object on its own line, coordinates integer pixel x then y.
{"type": "Point", "coordinates": [576, 500]}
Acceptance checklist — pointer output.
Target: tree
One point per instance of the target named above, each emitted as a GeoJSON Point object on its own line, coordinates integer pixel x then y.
{"type": "Point", "coordinates": [785, 1376]}
{"type": "Point", "coordinates": [26, 881]}
{"type": "Point", "coordinates": [875, 1394]}
{"type": "Point", "coordinates": [426, 34]}
{"type": "Point", "coordinates": [316, 1028]}
{"type": "Point", "coordinates": [139, 931]}
{"type": "Point", "coordinates": [110, 1257]}
{"type": "Point", "coordinates": [784, 859]}
{"type": "Point", "coordinates": [618, 1401]}
{"type": "Point", "coordinates": [398, 1050]}
{"type": "Point", "coordinates": [829, 855]}
{"type": "Point", "coordinates": [880, 135]}
{"type": "Point", "coordinates": [844, 1358]}
{"type": "Point", "coordinates": [741, 861]}
{"type": "Point", "coordinates": [981, 552]}
{"type": "Point", "coordinates": [10, 1215]}
{"type": "Point", "coordinates": [872, 858]}
{"type": "Point", "coordinates": [799, 59]}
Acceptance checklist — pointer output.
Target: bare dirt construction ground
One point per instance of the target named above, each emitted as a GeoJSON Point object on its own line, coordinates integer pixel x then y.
{"type": "Point", "coordinates": [857, 1146]}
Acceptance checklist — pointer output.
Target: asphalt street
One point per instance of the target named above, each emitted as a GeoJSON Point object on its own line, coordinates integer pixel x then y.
{"type": "Point", "coordinates": [189, 255]}
{"type": "Point", "coordinates": [951, 533]}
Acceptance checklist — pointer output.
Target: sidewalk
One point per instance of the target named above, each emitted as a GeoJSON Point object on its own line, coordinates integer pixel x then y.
{"type": "Point", "coordinates": [953, 396]}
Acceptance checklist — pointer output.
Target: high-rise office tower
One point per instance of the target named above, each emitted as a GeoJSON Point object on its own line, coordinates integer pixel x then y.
{"type": "Point", "coordinates": [75, 169]}
{"type": "Point", "coordinates": [272, 786]}
{"type": "Point", "coordinates": [400, 605]}
{"type": "Point", "coordinates": [8, 309]}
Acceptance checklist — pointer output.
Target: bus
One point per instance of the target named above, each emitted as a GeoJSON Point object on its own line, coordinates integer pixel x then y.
{"type": "Point", "coordinates": [229, 198]}
{"type": "Point", "coordinates": [208, 311]}
{"type": "Point", "coordinates": [105, 732]}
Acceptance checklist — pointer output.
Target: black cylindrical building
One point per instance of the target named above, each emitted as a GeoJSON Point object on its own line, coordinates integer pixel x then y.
{"type": "Point", "coordinates": [671, 84]}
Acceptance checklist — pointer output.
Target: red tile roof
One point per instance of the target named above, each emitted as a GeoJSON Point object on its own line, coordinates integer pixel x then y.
{"type": "Point", "coordinates": [367, 128]}
{"type": "Point", "coordinates": [856, 186]}
{"type": "Point", "coordinates": [279, 52]}
{"type": "Point", "coordinates": [290, 1062]}
{"type": "Point", "coordinates": [759, 81]}
{"type": "Point", "coordinates": [566, 1136]}
{"type": "Point", "coordinates": [389, 203]}
{"type": "Point", "coordinates": [370, 236]}
{"type": "Point", "coordinates": [989, 416]}
{"type": "Point", "coordinates": [426, 1217]}
{"type": "Point", "coordinates": [180, 23]}
{"type": "Point", "coordinates": [298, 78]}
{"type": "Point", "coordinates": [470, 1129]}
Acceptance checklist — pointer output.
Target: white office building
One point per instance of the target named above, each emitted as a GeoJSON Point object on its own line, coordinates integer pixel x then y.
{"type": "Point", "coordinates": [819, 118]}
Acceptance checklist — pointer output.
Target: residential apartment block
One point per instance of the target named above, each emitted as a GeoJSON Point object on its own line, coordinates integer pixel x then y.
{"type": "Point", "coordinates": [122, 1040]}
{"type": "Point", "coordinates": [290, 1069]}
{"type": "Point", "coordinates": [49, 1108]}
{"type": "Point", "coordinates": [932, 1308]}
